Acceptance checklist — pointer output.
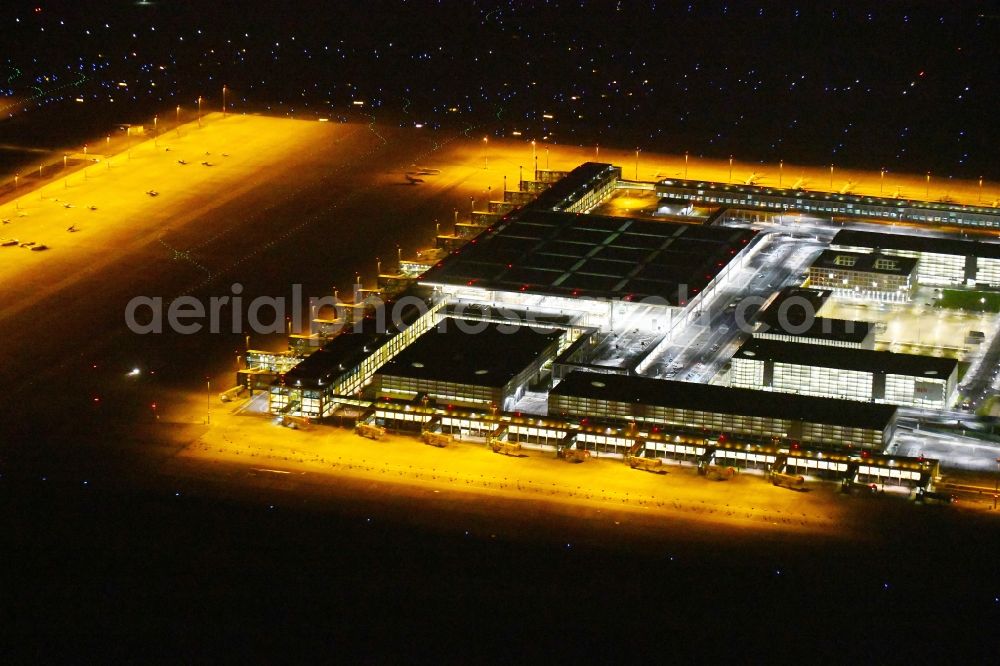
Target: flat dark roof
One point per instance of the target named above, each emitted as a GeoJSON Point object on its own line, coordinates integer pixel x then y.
{"type": "Point", "coordinates": [346, 351]}
{"type": "Point", "coordinates": [726, 400]}
{"type": "Point", "coordinates": [804, 297]}
{"type": "Point", "coordinates": [478, 311]}
{"type": "Point", "coordinates": [490, 357]}
{"type": "Point", "coordinates": [800, 308]}
{"type": "Point", "coordinates": [915, 243]}
{"type": "Point", "coordinates": [324, 366]}
{"type": "Point", "coordinates": [864, 263]}
{"type": "Point", "coordinates": [575, 183]}
{"type": "Point", "coordinates": [821, 328]}
{"type": "Point", "coordinates": [593, 256]}
{"type": "Point", "coordinates": [845, 358]}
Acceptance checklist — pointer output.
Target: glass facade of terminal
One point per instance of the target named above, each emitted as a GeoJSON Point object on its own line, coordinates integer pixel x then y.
{"type": "Point", "coordinates": [446, 392]}
{"type": "Point", "coordinates": [867, 343]}
{"type": "Point", "coordinates": [320, 401]}
{"type": "Point", "coordinates": [706, 421]}
{"type": "Point", "coordinates": [861, 284]}
{"type": "Point", "coordinates": [943, 269]}
{"type": "Point", "coordinates": [826, 382]}
{"type": "Point", "coordinates": [906, 390]}
{"type": "Point", "coordinates": [791, 201]}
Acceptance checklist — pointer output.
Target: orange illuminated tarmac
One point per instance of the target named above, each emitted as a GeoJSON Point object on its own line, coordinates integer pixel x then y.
{"type": "Point", "coordinates": [301, 201]}
{"type": "Point", "coordinates": [469, 471]}
{"type": "Point", "coordinates": [427, 484]}
{"type": "Point", "coordinates": [94, 216]}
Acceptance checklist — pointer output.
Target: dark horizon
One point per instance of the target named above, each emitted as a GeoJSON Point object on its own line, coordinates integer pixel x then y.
{"type": "Point", "coordinates": [906, 88]}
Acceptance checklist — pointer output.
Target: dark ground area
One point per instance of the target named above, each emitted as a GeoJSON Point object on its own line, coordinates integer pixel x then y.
{"type": "Point", "coordinates": [118, 557]}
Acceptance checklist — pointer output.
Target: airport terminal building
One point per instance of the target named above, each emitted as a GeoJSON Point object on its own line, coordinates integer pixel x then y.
{"type": "Point", "coordinates": [859, 275]}
{"type": "Point", "coordinates": [738, 413]}
{"type": "Point", "coordinates": [317, 385]}
{"type": "Point", "coordinates": [941, 261]}
{"type": "Point", "coordinates": [792, 200]}
{"type": "Point", "coordinates": [611, 272]}
{"type": "Point", "coordinates": [791, 316]}
{"type": "Point", "coordinates": [576, 293]}
{"type": "Point", "coordinates": [469, 364]}
{"type": "Point", "coordinates": [909, 380]}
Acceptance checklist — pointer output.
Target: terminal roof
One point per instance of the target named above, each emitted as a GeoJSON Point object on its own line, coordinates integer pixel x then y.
{"type": "Point", "coordinates": [569, 188]}
{"type": "Point", "coordinates": [796, 197]}
{"type": "Point", "coordinates": [845, 358]}
{"type": "Point", "coordinates": [346, 351]}
{"type": "Point", "coordinates": [472, 352]}
{"type": "Point", "coordinates": [915, 243]}
{"type": "Point", "coordinates": [593, 256]}
{"type": "Point", "coordinates": [793, 311]}
{"type": "Point", "coordinates": [798, 300]}
{"type": "Point", "coordinates": [725, 400]}
{"type": "Point", "coordinates": [865, 263]}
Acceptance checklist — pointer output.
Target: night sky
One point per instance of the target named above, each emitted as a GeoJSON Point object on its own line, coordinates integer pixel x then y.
{"type": "Point", "coordinates": [907, 86]}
